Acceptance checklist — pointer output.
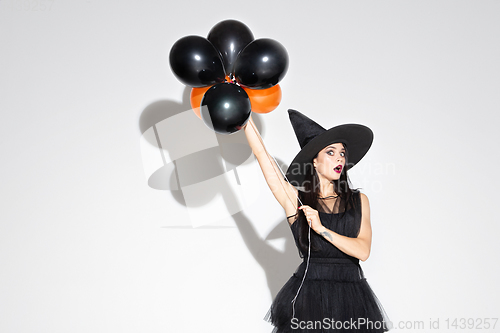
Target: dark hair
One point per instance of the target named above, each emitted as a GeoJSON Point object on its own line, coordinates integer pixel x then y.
{"type": "Point", "coordinates": [309, 196]}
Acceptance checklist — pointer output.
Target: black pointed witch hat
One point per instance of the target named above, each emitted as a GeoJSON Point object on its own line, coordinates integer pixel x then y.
{"type": "Point", "coordinates": [312, 138]}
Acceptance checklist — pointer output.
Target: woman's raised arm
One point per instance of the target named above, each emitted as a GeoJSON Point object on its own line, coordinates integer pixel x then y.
{"type": "Point", "coordinates": [283, 191]}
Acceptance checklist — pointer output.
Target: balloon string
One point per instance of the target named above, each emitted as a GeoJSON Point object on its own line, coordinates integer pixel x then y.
{"type": "Point", "coordinates": [305, 272]}
{"type": "Point", "coordinates": [309, 231]}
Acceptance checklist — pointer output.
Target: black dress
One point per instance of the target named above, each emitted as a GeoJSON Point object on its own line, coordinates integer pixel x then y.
{"type": "Point", "coordinates": [335, 296]}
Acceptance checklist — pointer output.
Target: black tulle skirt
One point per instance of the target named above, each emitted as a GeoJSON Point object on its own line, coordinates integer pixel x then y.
{"type": "Point", "coordinates": [334, 297]}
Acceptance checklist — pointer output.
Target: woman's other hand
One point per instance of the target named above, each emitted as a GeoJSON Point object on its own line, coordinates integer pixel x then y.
{"type": "Point", "coordinates": [312, 218]}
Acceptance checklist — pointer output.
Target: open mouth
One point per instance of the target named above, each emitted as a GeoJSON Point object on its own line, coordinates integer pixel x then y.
{"type": "Point", "coordinates": [338, 169]}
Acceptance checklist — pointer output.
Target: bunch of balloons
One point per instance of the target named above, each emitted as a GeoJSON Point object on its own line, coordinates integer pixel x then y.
{"type": "Point", "coordinates": [232, 74]}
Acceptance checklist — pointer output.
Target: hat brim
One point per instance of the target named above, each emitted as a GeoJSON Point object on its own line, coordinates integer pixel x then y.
{"type": "Point", "coordinates": [357, 139]}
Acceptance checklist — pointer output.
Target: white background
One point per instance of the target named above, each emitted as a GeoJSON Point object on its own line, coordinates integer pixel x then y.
{"type": "Point", "coordinates": [86, 245]}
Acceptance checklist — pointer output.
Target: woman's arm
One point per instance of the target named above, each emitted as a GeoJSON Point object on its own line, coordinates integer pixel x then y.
{"type": "Point", "coordinates": [283, 191]}
{"type": "Point", "coordinates": [358, 247]}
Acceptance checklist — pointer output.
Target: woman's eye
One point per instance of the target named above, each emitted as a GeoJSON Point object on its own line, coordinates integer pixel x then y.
{"type": "Point", "coordinates": [330, 151]}
{"type": "Point", "coordinates": [342, 154]}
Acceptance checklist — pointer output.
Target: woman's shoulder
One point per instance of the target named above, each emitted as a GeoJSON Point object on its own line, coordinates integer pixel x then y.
{"type": "Point", "coordinates": [357, 192]}
{"type": "Point", "coordinates": [359, 198]}
{"type": "Point", "coordinates": [362, 196]}
{"type": "Point", "coordinates": [362, 200]}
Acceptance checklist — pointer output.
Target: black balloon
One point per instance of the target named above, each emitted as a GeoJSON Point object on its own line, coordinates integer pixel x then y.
{"type": "Point", "coordinates": [230, 37]}
{"type": "Point", "coordinates": [225, 108]}
{"type": "Point", "coordinates": [196, 62]}
{"type": "Point", "coordinates": [261, 64]}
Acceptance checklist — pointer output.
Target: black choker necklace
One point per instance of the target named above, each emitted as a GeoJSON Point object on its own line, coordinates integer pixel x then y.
{"type": "Point", "coordinates": [331, 196]}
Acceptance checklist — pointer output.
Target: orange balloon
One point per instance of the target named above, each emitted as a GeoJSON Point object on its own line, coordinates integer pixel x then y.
{"type": "Point", "coordinates": [196, 97]}
{"type": "Point", "coordinates": [264, 100]}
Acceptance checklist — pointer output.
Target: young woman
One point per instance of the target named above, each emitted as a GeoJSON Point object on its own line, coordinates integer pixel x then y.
{"type": "Point", "coordinates": [331, 226]}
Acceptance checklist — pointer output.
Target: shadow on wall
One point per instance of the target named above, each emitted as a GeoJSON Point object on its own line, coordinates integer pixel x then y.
{"type": "Point", "coordinates": [209, 173]}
